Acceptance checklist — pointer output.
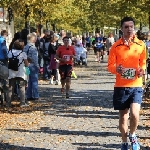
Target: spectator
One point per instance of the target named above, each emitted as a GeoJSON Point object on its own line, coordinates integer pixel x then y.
{"type": "Point", "coordinates": [109, 42]}
{"type": "Point", "coordinates": [43, 55]}
{"type": "Point", "coordinates": [16, 37]}
{"type": "Point", "coordinates": [52, 52]}
{"type": "Point", "coordinates": [32, 54]}
{"type": "Point", "coordinates": [23, 35]}
{"type": "Point", "coordinates": [17, 76]}
{"type": "Point", "coordinates": [3, 47]}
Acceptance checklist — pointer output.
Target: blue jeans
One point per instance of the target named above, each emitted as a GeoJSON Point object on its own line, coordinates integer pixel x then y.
{"type": "Point", "coordinates": [46, 74]}
{"type": "Point", "coordinates": [32, 89]}
{"type": "Point", "coordinates": [40, 61]}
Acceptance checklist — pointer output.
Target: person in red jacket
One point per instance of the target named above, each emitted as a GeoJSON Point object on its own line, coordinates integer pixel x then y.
{"type": "Point", "coordinates": [127, 60]}
{"type": "Point", "coordinates": [65, 54]}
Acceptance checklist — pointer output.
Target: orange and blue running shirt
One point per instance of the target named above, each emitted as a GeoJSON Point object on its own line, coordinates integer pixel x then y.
{"type": "Point", "coordinates": [129, 56]}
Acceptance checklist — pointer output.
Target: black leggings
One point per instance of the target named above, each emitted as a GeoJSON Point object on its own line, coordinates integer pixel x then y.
{"type": "Point", "coordinates": [53, 72]}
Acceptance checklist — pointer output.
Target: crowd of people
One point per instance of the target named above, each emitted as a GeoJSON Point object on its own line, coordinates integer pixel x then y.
{"type": "Point", "coordinates": [54, 55]}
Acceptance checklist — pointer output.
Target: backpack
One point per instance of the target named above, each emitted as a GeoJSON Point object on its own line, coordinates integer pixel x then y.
{"type": "Point", "coordinates": [14, 62]}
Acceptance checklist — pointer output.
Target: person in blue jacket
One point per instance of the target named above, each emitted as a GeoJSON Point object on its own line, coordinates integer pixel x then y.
{"type": "Point", "coordinates": [88, 43]}
{"type": "Point", "coordinates": [3, 47]}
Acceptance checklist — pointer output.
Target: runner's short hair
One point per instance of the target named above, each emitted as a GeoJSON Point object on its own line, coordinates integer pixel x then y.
{"type": "Point", "coordinates": [66, 37]}
{"type": "Point", "coordinates": [125, 19]}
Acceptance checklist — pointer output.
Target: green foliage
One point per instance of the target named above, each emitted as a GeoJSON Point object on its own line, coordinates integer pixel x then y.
{"type": "Point", "coordinates": [75, 15]}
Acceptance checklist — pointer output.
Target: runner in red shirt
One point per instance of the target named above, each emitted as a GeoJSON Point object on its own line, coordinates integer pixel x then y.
{"type": "Point", "coordinates": [65, 55]}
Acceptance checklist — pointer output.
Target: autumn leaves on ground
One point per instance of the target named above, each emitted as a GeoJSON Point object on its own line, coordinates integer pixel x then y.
{"type": "Point", "coordinates": [33, 115]}
{"type": "Point", "coordinates": [146, 112]}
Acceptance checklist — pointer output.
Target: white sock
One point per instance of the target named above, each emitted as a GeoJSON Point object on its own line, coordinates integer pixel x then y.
{"type": "Point", "coordinates": [132, 135]}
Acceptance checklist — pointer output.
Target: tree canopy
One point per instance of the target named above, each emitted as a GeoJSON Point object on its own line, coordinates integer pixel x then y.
{"type": "Point", "coordinates": [75, 15]}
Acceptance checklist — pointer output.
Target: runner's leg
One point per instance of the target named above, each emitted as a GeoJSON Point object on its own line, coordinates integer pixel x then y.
{"type": "Point", "coordinates": [123, 123]}
{"type": "Point", "coordinates": [68, 83]}
{"type": "Point", "coordinates": [134, 117]}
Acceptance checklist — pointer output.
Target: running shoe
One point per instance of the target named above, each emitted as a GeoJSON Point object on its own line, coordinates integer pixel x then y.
{"type": "Point", "coordinates": [62, 90]}
{"type": "Point", "coordinates": [74, 75]}
{"type": "Point", "coordinates": [67, 95]}
{"type": "Point", "coordinates": [134, 143]}
{"type": "Point", "coordinates": [124, 146]}
{"type": "Point", "coordinates": [96, 59]}
{"type": "Point", "coordinates": [51, 81]}
{"type": "Point", "coordinates": [24, 105]}
{"type": "Point", "coordinates": [57, 82]}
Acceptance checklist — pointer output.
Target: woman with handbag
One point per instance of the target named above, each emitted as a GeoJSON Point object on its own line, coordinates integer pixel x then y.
{"type": "Point", "coordinates": [52, 52]}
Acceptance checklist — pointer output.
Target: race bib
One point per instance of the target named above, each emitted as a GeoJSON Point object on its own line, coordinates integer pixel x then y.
{"type": "Point", "coordinates": [129, 73]}
{"type": "Point", "coordinates": [67, 57]}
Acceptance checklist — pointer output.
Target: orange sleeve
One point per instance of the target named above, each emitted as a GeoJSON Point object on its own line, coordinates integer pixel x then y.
{"type": "Point", "coordinates": [112, 60]}
{"type": "Point", "coordinates": [143, 58]}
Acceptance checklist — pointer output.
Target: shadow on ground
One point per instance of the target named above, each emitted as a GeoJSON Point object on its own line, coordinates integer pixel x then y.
{"type": "Point", "coordinates": [95, 146]}
{"type": "Point", "coordinates": [52, 99]}
{"type": "Point", "coordinates": [6, 146]}
{"type": "Point", "coordinates": [47, 130]}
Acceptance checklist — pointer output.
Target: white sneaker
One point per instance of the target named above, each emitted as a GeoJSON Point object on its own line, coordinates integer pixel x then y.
{"type": "Point", "coordinates": [51, 81]}
{"type": "Point", "coordinates": [24, 105]}
{"type": "Point", "coordinates": [58, 83]}
{"type": "Point", "coordinates": [96, 59]}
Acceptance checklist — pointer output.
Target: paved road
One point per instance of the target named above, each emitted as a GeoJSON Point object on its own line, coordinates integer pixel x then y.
{"type": "Point", "coordinates": [86, 121]}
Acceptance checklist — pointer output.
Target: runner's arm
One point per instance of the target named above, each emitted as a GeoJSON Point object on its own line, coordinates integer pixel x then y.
{"type": "Point", "coordinates": [142, 61]}
{"type": "Point", "coordinates": [112, 60]}
{"type": "Point", "coordinates": [57, 56]}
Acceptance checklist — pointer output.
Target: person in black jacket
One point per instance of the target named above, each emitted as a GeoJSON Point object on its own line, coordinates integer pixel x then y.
{"type": "Point", "coordinates": [16, 37]}
{"type": "Point", "coordinates": [52, 52]}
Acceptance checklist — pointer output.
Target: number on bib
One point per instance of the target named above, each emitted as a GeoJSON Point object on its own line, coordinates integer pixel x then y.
{"type": "Point", "coordinates": [129, 73]}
